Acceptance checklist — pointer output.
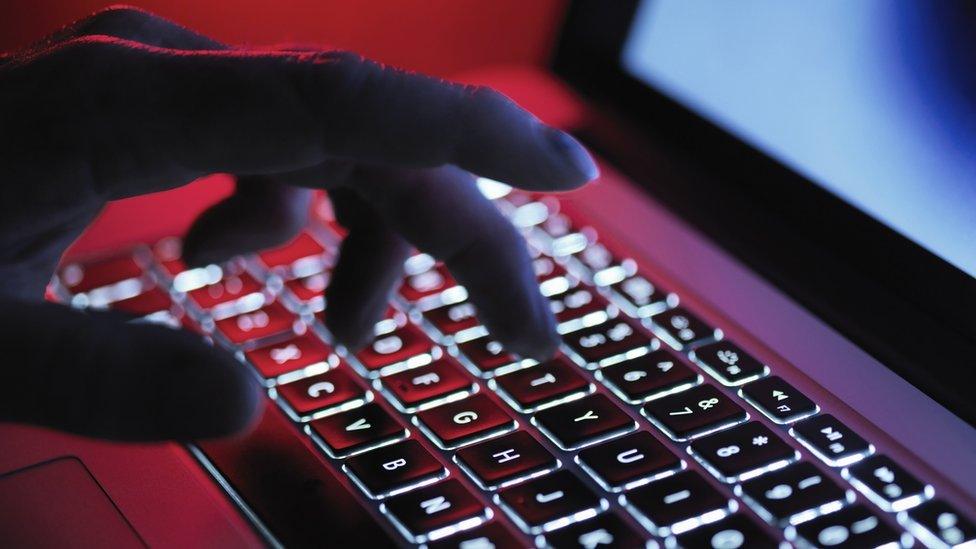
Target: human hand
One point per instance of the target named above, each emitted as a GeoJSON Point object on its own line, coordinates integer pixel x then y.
{"type": "Point", "coordinates": [125, 103]}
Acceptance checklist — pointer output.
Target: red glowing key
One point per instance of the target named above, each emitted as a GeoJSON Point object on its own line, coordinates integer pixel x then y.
{"type": "Point", "coordinates": [293, 354]}
{"type": "Point", "coordinates": [269, 320]}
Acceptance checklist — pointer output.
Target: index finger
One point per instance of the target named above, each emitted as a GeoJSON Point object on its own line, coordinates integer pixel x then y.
{"type": "Point", "coordinates": [259, 112]}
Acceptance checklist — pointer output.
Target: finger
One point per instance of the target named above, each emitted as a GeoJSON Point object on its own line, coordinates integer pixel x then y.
{"type": "Point", "coordinates": [267, 112]}
{"type": "Point", "coordinates": [262, 213]}
{"type": "Point", "coordinates": [94, 375]}
{"type": "Point", "coordinates": [137, 25]}
{"type": "Point", "coordinates": [442, 212]}
{"type": "Point", "coordinates": [369, 269]}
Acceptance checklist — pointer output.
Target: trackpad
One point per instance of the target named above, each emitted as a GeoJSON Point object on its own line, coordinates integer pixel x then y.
{"type": "Point", "coordinates": [59, 504]}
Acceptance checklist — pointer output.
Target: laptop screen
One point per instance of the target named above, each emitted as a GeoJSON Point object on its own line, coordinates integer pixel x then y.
{"type": "Point", "coordinates": [860, 97]}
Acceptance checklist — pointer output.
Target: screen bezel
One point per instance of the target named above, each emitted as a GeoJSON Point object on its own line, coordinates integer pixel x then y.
{"type": "Point", "coordinates": [898, 301]}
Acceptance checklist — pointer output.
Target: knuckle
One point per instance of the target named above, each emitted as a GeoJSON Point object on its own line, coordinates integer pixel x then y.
{"type": "Point", "coordinates": [114, 18]}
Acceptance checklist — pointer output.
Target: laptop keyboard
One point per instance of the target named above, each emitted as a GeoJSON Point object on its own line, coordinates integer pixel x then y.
{"type": "Point", "coordinates": [650, 428]}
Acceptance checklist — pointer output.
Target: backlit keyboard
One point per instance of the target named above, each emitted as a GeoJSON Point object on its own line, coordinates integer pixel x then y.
{"type": "Point", "coordinates": [650, 428]}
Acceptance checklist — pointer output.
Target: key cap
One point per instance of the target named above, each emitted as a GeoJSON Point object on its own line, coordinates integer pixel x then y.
{"type": "Point", "coordinates": [309, 291]}
{"type": "Point", "coordinates": [778, 400]}
{"type": "Point", "coordinates": [595, 257]}
{"type": "Point", "coordinates": [451, 319]}
{"type": "Point", "coordinates": [938, 524]}
{"type": "Point", "coordinates": [428, 386]}
{"type": "Point", "coordinates": [404, 348]}
{"type": "Point", "coordinates": [487, 536]}
{"type": "Point", "coordinates": [743, 452]}
{"type": "Point", "coordinates": [695, 412]}
{"type": "Point", "coordinates": [149, 302]}
{"type": "Point", "coordinates": [426, 284]}
{"type": "Point", "coordinates": [607, 530]}
{"type": "Point", "coordinates": [608, 343]}
{"type": "Point", "coordinates": [853, 527]}
{"type": "Point", "coordinates": [356, 431]}
{"type": "Point", "coordinates": [543, 386]}
{"type": "Point", "coordinates": [831, 441]}
{"type": "Point", "coordinates": [629, 461]}
{"type": "Point", "coordinates": [546, 268]}
{"type": "Point", "coordinates": [292, 359]}
{"type": "Point", "coordinates": [79, 278]}
{"type": "Point", "coordinates": [487, 356]}
{"type": "Point", "coordinates": [727, 363]}
{"type": "Point", "coordinates": [794, 494]}
{"type": "Point", "coordinates": [301, 257]}
{"type": "Point", "coordinates": [549, 502]}
{"type": "Point", "coordinates": [320, 395]}
{"type": "Point", "coordinates": [578, 308]}
{"type": "Point", "coordinates": [887, 484]}
{"type": "Point", "coordinates": [639, 297]}
{"type": "Point", "coordinates": [649, 376]}
{"type": "Point", "coordinates": [394, 469]}
{"type": "Point", "coordinates": [681, 329]}
{"type": "Point", "coordinates": [270, 320]}
{"type": "Point", "coordinates": [464, 422]}
{"type": "Point", "coordinates": [435, 511]}
{"type": "Point", "coordinates": [677, 503]}
{"type": "Point", "coordinates": [583, 422]}
{"type": "Point", "coordinates": [231, 295]}
{"type": "Point", "coordinates": [506, 460]}
{"type": "Point", "coordinates": [734, 531]}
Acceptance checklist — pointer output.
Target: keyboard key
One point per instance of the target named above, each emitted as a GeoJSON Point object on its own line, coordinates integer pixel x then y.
{"type": "Point", "coordinates": [608, 343]}
{"type": "Point", "coordinates": [309, 291]}
{"type": "Point", "coordinates": [320, 395]}
{"type": "Point", "coordinates": [695, 412]}
{"type": "Point", "coordinates": [404, 348]}
{"type": "Point", "coordinates": [549, 502]}
{"type": "Point", "coordinates": [629, 461]}
{"type": "Point", "coordinates": [291, 359]}
{"type": "Point", "coordinates": [487, 355]}
{"type": "Point", "coordinates": [426, 284]}
{"type": "Point", "coordinates": [887, 484]}
{"type": "Point", "coordinates": [546, 268]}
{"type": "Point", "coordinates": [487, 536]}
{"type": "Point", "coordinates": [451, 319]}
{"type": "Point", "coordinates": [743, 452]}
{"type": "Point", "coordinates": [794, 494]}
{"type": "Point", "coordinates": [464, 422]}
{"type": "Point", "coordinates": [435, 511]}
{"type": "Point", "coordinates": [938, 524]}
{"type": "Point", "coordinates": [727, 363]}
{"type": "Point", "coordinates": [154, 300]}
{"type": "Point", "coordinates": [734, 531]}
{"type": "Point", "coordinates": [302, 256]}
{"type": "Point", "coordinates": [583, 422]}
{"type": "Point", "coordinates": [270, 320]}
{"type": "Point", "coordinates": [681, 329]}
{"type": "Point", "coordinates": [677, 503]}
{"type": "Point", "coordinates": [394, 469]}
{"type": "Point", "coordinates": [578, 307]}
{"type": "Point", "coordinates": [505, 460]}
{"type": "Point", "coordinates": [831, 441]}
{"type": "Point", "coordinates": [649, 376]}
{"type": "Point", "coordinates": [595, 257]}
{"type": "Point", "coordinates": [356, 431]}
{"type": "Point", "coordinates": [639, 297]}
{"type": "Point", "coordinates": [778, 400]}
{"type": "Point", "coordinates": [853, 527]}
{"type": "Point", "coordinates": [231, 295]}
{"type": "Point", "coordinates": [79, 278]}
{"type": "Point", "coordinates": [427, 386]}
{"type": "Point", "coordinates": [607, 530]}
{"type": "Point", "coordinates": [543, 386]}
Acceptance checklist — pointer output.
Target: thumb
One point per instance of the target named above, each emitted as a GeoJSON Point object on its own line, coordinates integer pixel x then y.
{"type": "Point", "coordinates": [96, 375]}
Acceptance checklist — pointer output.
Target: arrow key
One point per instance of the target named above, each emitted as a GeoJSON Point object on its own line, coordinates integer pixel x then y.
{"type": "Point", "coordinates": [356, 431]}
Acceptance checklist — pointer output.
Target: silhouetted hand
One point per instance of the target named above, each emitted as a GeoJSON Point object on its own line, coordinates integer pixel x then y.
{"type": "Point", "coordinates": [125, 103]}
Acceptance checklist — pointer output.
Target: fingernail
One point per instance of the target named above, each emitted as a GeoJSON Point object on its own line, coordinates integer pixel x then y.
{"type": "Point", "coordinates": [574, 153]}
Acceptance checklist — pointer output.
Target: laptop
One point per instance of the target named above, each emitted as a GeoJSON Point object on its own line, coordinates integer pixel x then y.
{"type": "Point", "coordinates": [766, 303]}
